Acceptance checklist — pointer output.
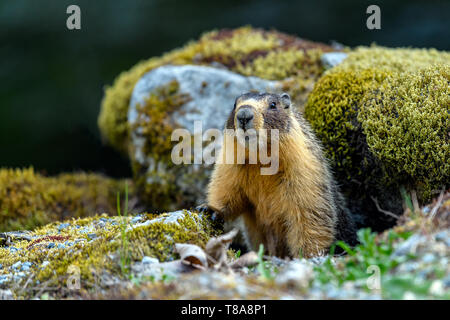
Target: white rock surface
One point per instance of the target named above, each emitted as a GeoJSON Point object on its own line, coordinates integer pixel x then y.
{"type": "Point", "coordinates": [212, 94]}
{"type": "Point", "coordinates": [332, 59]}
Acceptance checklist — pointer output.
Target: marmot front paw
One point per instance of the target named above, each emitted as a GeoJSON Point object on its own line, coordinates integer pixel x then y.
{"type": "Point", "coordinates": [215, 214]}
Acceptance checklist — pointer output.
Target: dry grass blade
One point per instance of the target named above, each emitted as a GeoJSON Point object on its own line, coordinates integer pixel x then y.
{"type": "Point", "coordinates": [438, 204]}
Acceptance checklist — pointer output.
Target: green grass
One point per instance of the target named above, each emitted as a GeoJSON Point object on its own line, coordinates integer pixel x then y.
{"type": "Point", "coordinates": [263, 266]}
{"type": "Point", "coordinates": [368, 253]}
{"type": "Point", "coordinates": [372, 254]}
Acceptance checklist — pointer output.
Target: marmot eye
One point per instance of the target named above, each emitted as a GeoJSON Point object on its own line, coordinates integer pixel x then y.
{"type": "Point", "coordinates": [273, 105]}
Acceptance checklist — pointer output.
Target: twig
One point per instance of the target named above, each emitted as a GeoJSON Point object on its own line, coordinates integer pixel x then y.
{"type": "Point", "coordinates": [384, 211]}
{"type": "Point", "coordinates": [438, 204]}
{"type": "Point", "coordinates": [26, 283]}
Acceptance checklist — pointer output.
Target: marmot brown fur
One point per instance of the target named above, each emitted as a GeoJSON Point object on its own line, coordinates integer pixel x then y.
{"type": "Point", "coordinates": [296, 211]}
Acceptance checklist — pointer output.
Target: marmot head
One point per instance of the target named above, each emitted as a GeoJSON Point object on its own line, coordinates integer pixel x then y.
{"type": "Point", "coordinates": [261, 111]}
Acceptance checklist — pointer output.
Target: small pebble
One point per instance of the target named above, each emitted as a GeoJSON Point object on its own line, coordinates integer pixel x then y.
{"type": "Point", "coordinates": [136, 219]}
{"type": "Point", "coordinates": [428, 258]}
{"type": "Point", "coordinates": [437, 288]}
{"type": "Point", "coordinates": [62, 226]}
{"type": "Point", "coordinates": [408, 295]}
{"type": "Point", "coordinates": [441, 236]}
{"type": "Point", "coordinates": [26, 266]}
{"type": "Point", "coordinates": [295, 273]}
{"type": "Point", "coordinates": [149, 260]}
{"type": "Point", "coordinates": [92, 236]}
{"type": "Point", "coordinates": [4, 278]}
{"type": "Point", "coordinates": [16, 265]}
{"type": "Point", "coordinates": [19, 275]}
{"type": "Point", "coordinates": [446, 282]}
{"type": "Point", "coordinates": [101, 224]}
{"type": "Point", "coordinates": [6, 294]}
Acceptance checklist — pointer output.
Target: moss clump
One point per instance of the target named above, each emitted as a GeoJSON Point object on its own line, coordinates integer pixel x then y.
{"type": "Point", "coordinates": [281, 64]}
{"type": "Point", "coordinates": [333, 109]}
{"type": "Point", "coordinates": [407, 123]}
{"type": "Point", "coordinates": [382, 116]}
{"type": "Point", "coordinates": [266, 54]}
{"type": "Point", "coordinates": [28, 199]}
{"type": "Point", "coordinates": [158, 239]}
{"type": "Point", "coordinates": [97, 256]}
{"type": "Point", "coordinates": [399, 60]}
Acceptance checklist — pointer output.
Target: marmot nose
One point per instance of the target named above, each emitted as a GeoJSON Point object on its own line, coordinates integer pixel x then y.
{"type": "Point", "coordinates": [244, 116]}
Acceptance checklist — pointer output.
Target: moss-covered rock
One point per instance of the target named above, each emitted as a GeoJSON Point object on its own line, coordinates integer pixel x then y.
{"type": "Point", "coordinates": [94, 250]}
{"type": "Point", "coordinates": [145, 104]}
{"type": "Point", "coordinates": [133, 257]}
{"type": "Point", "coordinates": [28, 199]}
{"type": "Point", "coordinates": [190, 98]}
{"type": "Point", "coordinates": [383, 116]}
{"type": "Point", "coordinates": [266, 54]}
{"type": "Point", "coordinates": [407, 124]}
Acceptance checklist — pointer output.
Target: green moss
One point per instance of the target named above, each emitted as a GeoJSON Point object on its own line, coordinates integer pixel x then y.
{"type": "Point", "coordinates": [399, 60]}
{"type": "Point", "coordinates": [281, 64]}
{"type": "Point", "coordinates": [382, 116]}
{"type": "Point", "coordinates": [332, 110]}
{"type": "Point", "coordinates": [28, 199]}
{"type": "Point", "coordinates": [407, 125]}
{"type": "Point", "coordinates": [99, 256]}
{"type": "Point", "coordinates": [154, 119]}
{"type": "Point", "coordinates": [158, 239]}
{"type": "Point", "coordinates": [266, 54]}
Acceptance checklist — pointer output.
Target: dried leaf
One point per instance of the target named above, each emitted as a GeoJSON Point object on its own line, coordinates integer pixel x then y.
{"type": "Point", "coordinates": [192, 255]}
{"type": "Point", "coordinates": [247, 260]}
{"type": "Point", "coordinates": [216, 248]}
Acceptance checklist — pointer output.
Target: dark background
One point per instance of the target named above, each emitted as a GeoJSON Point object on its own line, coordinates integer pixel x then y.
{"type": "Point", "coordinates": [52, 79]}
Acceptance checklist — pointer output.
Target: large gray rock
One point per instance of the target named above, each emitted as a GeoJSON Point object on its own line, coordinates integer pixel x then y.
{"type": "Point", "coordinates": [211, 92]}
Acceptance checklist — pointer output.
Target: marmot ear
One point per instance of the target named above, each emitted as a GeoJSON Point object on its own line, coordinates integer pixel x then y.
{"type": "Point", "coordinates": [286, 99]}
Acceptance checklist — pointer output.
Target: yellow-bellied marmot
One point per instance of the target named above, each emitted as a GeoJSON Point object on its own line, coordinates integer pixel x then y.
{"type": "Point", "coordinates": [296, 211]}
